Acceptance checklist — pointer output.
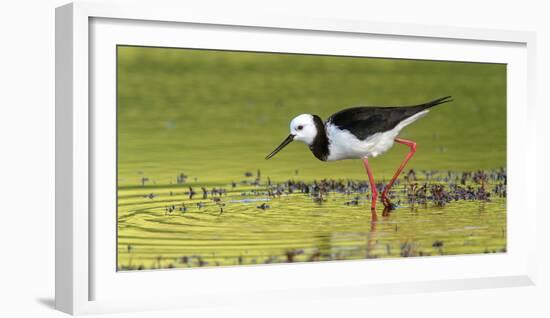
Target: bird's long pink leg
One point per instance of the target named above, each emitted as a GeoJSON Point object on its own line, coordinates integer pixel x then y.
{"type": "Point", "coordinates": [372, 184]}
{"type": "Point", "coordinates": [412, 147]}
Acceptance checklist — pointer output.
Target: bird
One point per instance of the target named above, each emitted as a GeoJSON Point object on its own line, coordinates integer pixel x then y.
{"type": "Point", "coordinates": [359, 133]}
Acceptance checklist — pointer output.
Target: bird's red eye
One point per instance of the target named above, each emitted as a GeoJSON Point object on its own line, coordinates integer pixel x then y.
{"type": "Point", "coordinates": [300, 127]}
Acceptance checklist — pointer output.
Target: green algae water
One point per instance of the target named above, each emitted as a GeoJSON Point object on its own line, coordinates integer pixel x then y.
{"type": "Point", "coordinates": [194, 189]}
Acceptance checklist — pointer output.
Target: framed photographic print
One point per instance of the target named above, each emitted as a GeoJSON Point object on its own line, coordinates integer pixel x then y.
{"type": "Point", "coordinates": [252, 158]}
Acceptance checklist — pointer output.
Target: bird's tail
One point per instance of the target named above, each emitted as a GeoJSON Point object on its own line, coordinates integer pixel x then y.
{"type": "Point", "coordinates": [436, 102]}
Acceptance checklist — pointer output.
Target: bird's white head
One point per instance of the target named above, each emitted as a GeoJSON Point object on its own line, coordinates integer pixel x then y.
{"type": "Point", "coordinates": [302, 127]}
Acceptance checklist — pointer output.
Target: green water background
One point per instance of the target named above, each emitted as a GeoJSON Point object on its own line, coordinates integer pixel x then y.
{"type": "Point", "coordinates": [214, 115]}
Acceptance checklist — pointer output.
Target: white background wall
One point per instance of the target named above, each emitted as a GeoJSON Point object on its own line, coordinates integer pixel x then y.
{"type": "Point", "coordinates": [27, 158]}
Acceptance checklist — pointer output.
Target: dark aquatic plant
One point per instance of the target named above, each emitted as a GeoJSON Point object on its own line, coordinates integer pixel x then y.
{"type": "Point", "coordinates": [441, 189]}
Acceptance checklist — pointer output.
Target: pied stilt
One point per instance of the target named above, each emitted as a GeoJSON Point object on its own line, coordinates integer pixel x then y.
{"type": "Point", "coordinates": [359, 133]}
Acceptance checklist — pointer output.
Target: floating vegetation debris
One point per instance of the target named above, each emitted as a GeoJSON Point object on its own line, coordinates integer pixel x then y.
{"type": "Point", "coordinates": [438, 189]}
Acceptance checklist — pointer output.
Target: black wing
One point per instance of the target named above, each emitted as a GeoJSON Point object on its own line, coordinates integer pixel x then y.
{"type": "Point", "coordinates": [366, 121]}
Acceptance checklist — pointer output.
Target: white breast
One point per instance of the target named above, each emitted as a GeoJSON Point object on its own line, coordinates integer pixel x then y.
{"type": "Point", "coordinates": [344, 145]}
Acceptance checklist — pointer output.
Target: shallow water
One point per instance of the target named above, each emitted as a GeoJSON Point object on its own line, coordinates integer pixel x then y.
{"type": "Point", "coordinates": [294, 227]}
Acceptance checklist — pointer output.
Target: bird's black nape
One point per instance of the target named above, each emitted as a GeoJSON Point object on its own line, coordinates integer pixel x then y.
{"type": "Point", "coordinates": [319, 147]}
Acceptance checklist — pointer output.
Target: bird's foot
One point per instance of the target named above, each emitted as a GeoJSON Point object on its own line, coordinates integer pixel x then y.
{"type": "Point", "coordinates": [386, 211]}
{"type": "Point", "coordinates": [385, 200]}
{"type": "Point", "coordinates": [388, 205]}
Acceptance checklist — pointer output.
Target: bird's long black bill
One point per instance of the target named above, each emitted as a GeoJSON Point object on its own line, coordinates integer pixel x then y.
{"type": "Point", "coordinates": [285, 142]}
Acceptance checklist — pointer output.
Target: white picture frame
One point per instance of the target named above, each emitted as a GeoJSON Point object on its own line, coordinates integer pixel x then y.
{"type": "Point", "coordinates": [85, 280]}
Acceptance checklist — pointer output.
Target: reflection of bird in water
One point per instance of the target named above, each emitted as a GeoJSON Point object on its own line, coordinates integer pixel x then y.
{"type": "Point", "coordinates": [371, 237]}
{"type": "Point", "coordinates": [358, 133]}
